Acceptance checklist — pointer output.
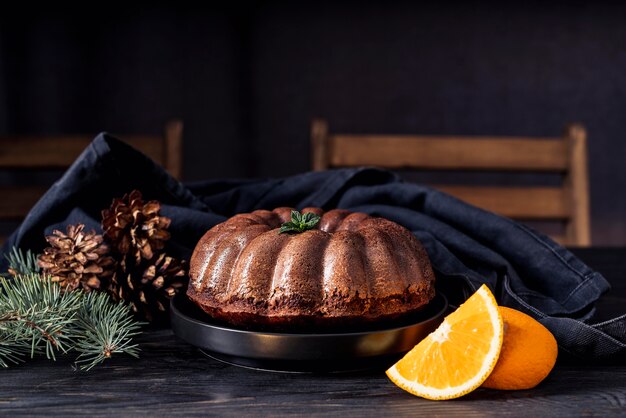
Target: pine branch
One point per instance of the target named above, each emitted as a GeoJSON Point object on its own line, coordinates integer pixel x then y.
{"type": "Point", "coordinates": [37, 316]}
{"type": "Point", "coordinates": [34, 315]}
{"type": "Point", "coordinates": [105, 328]}
{"type": "Point", "coordinates": [21, 262]}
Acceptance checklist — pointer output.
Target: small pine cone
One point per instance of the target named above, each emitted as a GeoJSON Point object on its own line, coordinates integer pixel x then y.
{"type": "Point", "coordinates": [77, 259]}
{"type": "Point", "coordinates": [134, 227]}
{"type": "Point", "coordinates": [149, 287]}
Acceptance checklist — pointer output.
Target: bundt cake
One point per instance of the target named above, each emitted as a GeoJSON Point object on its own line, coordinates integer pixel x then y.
{"type": "Point", "coordinates": [351, 269]}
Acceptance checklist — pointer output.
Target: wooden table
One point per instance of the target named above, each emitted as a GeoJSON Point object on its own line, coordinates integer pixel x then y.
{"type": "Point", "coordinates": [174, 378]}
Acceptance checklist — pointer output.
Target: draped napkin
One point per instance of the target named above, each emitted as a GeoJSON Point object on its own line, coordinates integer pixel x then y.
{"type": "Point", "coordinates": [467, 246]}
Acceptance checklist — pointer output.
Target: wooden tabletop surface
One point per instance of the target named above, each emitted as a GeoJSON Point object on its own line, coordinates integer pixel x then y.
{"type": "Point", "coordinates": [173, 378]}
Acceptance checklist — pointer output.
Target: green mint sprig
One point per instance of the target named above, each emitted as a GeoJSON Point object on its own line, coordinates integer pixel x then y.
{"type": "Point", "coordinates": [299, 223]}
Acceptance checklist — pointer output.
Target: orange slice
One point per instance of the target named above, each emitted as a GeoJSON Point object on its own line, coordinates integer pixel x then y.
{"type": "Point", "coordinates": [458, 356]}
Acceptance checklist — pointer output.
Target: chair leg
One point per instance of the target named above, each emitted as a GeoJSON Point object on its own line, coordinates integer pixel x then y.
{"type": "Point", "coordinates": [319, 145]}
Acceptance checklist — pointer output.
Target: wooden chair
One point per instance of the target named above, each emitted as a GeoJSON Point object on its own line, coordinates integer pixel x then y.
{"type": "Point", "coordinates": [567, 203]}
{"type": "Point", "coordinates": [24, 156]}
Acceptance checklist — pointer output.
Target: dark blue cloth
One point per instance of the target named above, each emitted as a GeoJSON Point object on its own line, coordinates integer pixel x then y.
{"type": "Point", "coordinates": [467, 246]}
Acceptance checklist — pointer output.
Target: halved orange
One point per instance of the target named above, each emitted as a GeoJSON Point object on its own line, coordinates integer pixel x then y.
{"type": "Point", "coordinates": [529, 352]}
{"type": "Point", "coordinates": [458, 356]}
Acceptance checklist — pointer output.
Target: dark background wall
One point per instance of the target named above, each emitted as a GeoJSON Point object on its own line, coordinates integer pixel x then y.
{"type": "Point", "coordinates": [246, 78]}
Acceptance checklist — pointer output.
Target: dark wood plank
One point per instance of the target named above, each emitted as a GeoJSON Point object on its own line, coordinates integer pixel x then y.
{"type": "Point", "coordinates": [18, 201]}
{"type": "Point", "coordinates": [39, 152]}
{"type": "Point", "coordinates": [61, 151]}
{"type": "Point", "coordinates": [319, 145]}
{"type": "Point", "coordinates": [445, 153]}
{"type": "Point", "coordinates": [527, 203]}
{"type": "Point", "coordinates": [577, 184]}
{"type": "Point", "coordinates": [173, 152]}
{"type": "Point", "coordinates": [173, 378]}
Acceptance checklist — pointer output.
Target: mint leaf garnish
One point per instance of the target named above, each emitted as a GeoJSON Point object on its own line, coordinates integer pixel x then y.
{"type": "Point", "coordinates": [299, 223]}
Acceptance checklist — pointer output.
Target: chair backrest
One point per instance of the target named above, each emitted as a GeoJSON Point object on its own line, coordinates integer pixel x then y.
{"type": "Point", "coordinates": [566, 203]}
{"type": "Point", "coordinates": [22, 156]}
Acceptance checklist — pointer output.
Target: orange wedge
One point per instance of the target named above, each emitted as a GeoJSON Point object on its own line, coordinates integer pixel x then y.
{"type": "Point", "coordinates": [458, 356]}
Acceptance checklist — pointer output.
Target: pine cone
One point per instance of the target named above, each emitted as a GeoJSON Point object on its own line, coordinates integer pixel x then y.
{"type": "Point", "coordinates": [77, 259]}
{"type": "Point", "coordinates": [149, 287]}
{"type": "Point", "coordinates": [134, 227]}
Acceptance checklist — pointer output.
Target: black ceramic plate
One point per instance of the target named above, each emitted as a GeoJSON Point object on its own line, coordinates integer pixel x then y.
{"type": "Point", "coordinates": [323, 353]}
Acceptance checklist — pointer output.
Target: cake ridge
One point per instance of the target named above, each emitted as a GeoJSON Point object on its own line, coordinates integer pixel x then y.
{"type": "Point", "coordinates": [221, 258]}
{"type": "Point", "coordinates": [207, 253]}
{"type": "Point", "coordinates": [298, 260]}
{"type": "Point", "coordinates": [332, 219]}
{"type": "Point", "coordinates": [397, 246]}
{"type": "Point", "coordinates": [248, 260]}
{"type": "Point", "coordinates": [249, 235]}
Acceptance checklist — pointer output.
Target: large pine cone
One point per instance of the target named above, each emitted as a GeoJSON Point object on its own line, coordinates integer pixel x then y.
{"type": "Point", "coordinates": [149, 286]}
{"type": "Point", "coordinates": [77, 259]}
{"type": "Point", "coordinates": [134, 227]}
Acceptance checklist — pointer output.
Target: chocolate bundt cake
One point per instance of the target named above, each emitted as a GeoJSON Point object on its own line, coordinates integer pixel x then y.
{"type": "Point", "coordinates": [351, 269]}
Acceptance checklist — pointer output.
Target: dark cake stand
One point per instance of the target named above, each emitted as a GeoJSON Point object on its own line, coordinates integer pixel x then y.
{"type": "Point", "coordinates": [349, 351]}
